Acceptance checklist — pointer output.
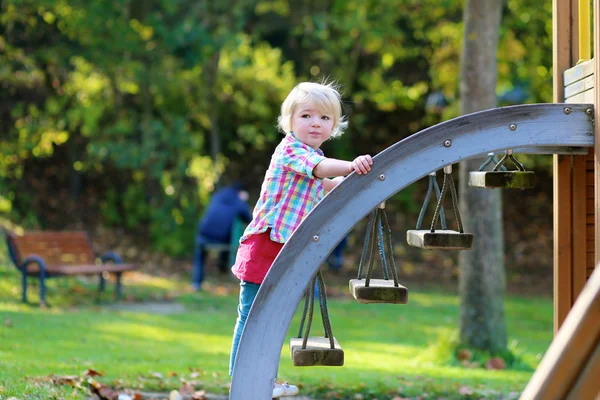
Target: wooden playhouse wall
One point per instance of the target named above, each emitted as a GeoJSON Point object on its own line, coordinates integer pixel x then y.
{"type": "Point", "coordinates": [576, 193]}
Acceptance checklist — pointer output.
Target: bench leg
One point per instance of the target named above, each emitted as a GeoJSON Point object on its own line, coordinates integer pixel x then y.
{"type": "Point", "coordinates": [102, 283]}
{"type": "Point", "coordinates": [43, 286]}
{"type": "Point", "coordinates": [118, 286]}
{"type": "Point", "coordinates": [24, 286]}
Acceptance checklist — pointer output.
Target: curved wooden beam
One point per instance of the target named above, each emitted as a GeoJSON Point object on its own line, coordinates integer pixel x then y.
{"type": "Point", "coordinates": [534, 125]}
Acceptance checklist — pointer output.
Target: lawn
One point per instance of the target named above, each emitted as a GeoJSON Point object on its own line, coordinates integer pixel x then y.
{"type": "Point", "coordinates": [391, 351]}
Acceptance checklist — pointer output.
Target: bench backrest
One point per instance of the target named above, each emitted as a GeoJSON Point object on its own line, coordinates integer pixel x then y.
{"type": "Point", "coordinates": [56, 248]}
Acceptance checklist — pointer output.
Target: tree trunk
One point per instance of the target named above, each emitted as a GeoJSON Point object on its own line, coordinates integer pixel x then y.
{"type": "Point", "coordinates": [482, 277]}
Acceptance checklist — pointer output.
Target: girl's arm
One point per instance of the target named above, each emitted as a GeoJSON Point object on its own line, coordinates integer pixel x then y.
{"type": "Point", "coordinates": [329, 184]}
{"type": "Point", "coordinates": [334, 167]}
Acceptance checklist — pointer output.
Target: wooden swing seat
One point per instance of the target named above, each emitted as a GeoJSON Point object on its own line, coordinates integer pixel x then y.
{"type": "Point", "coordinates": [442, 239]}
{"type": "Point", "coordinates": [318, 352]}
{"type": "Point", "coordinates": [378, 291]}
{"type": "Point", "coordinates": [502, 179]}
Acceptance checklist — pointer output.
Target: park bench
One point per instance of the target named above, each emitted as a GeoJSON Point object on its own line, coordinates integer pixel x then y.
{"type": "Point", "coordinates": [54, 254]}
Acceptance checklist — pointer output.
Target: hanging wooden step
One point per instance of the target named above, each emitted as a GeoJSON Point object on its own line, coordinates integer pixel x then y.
{"type": "Point", "coordinates": [502, 179]}
{"type": "Point", "coordinates": [442, 239]}
{"type": "Point", "coordinates": [378, 291]}
{"type": "Point", "coordinates": [318, 351]}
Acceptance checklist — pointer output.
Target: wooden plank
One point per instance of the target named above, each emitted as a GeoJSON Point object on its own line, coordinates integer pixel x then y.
{"type": "Point", "coordinates": [589, 219]}
{"type": "Point", "coordinates": [586, 97]}
{"type": "Point", "coordinates": [579, 226]}
{"type": "Point", "coordinates": [574, 343]}
{"type": "Point", "coordinates": [590, 271]}
{"type": "Point", "coordinates": [563, 263]}
{"type": "Point", "coordinates": [590, 156]}
{"type": "Point", "coordinates": [562, 35]}
{"type": "Point", "coordinates": [596, 149]}
{"type": "Point", "coordinates": [589, 177]}
{"type": "Point", "coordinates": [561, 45]}
{"type": "Point", "coordinates": [581, 86]}
{"type": "Point", "coordinates": [589, 261]}
{"type": "Point", "coordinates": [318, 351]}
{"type": "Point", "coordinates": [578, 72]}
{"type": "Point", "coordinates": [587, 386]}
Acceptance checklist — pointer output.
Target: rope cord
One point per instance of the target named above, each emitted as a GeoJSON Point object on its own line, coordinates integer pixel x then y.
{"type": "Point", "coordinates": [491, 159]}
{"type": "Point", "coordinates": [448, 183]}
{"type": "Point", "coordinates": [304, 311]}
{"type": "Point", "coordinates": [311, 299]}
{"type": "Point", "coordinates": [427, 197]}
{"type": "Point", "coordinates": [367, 250]}
{"type": "Point", "coordinates": [378, 238]}
{"type": "Point", "coordinates": [324, 311]}
{"type": "Point", "coordinates": [433, 185]}
{"type": "Point", "coordinates": [372, 243]}
{"type": "Point", "coordinates": [439, 204]}
{"type": "Point", "coordinates": [382, 254]}
{"type": "Point", "coordinates": [455, 204]}
{"type": "Point", "coordinates": [510, 157]}
{"type": "Point", "coordinates": [309, 303]}
{"type": "Point", "coordinates": [388, 250]}
{"type": "Point", "coordinates": [378, 231]}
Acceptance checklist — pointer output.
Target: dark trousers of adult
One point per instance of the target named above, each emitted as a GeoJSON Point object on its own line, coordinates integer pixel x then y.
{"type": "Point", "coordinates": [202, 243]}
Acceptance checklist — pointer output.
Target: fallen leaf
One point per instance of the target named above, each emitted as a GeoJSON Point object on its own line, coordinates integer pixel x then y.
{"type": "Point", "coordinates": [93, 372]}
{"type": "Point", "coordinates": [200, 395]}
{"type": "Point", "coordinates": [71, 380]}
{"type": "Point", "coordinates": [187, 389]}
{"type": "Point", "coordinates": [495, 363]}
{"type": "Point", "coordinates": [104, 392]}
{"type": "Point", "coordinates": [171, 374]}
{"type": "Point", "coordinates": [194, 375]}
{"type": "Point", "coordinates": [464, 355]}
{"type": "Point", "coordinates": [8, 323]}
{"type": "Point", "coordinates": [465, 391]}
{"type": "Point", "coordinates": [157, 375]}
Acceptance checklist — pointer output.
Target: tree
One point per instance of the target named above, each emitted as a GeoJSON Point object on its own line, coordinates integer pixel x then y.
{"type": "Point", "coordinates": [482, 277]}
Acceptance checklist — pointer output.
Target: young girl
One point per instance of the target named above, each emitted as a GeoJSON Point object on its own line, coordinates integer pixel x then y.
{"type": "Point", "coordinates": [297, 179]}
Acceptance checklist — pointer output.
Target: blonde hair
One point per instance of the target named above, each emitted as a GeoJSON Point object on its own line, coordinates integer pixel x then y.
{"type": "Point", "coordinates": [324, 96]}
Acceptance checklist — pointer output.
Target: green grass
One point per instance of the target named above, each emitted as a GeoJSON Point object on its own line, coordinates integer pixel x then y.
{"type": "Point", "coordinates": [390, 351]}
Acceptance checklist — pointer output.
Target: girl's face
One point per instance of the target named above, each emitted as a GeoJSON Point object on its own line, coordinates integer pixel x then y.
{"type": "Point", "coordinates": [310, 125]}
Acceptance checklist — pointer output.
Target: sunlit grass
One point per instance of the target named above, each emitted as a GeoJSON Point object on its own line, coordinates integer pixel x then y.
{"type": "Point", "coordinates": [389, 350]}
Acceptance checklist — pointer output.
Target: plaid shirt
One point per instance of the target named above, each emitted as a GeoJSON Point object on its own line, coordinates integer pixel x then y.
{"type": "Point", "coordinates": [289, 192]}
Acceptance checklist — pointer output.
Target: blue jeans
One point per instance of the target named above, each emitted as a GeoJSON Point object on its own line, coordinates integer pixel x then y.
{"type": "Point", "coordinates": [200, 256]}
{"type": "Point", "coordinates": [247, 294]}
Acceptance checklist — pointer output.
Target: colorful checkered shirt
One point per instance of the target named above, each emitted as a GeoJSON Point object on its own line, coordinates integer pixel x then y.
{"type": "Point", "coordinates": [289, 192]}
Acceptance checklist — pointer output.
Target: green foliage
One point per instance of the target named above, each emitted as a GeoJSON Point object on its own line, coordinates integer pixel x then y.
{"type": "Point", "coordinates": [119, 108]}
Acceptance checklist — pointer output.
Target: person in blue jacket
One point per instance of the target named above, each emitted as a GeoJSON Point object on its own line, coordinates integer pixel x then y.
{"type": "Point", "coordinates": [216, 225]}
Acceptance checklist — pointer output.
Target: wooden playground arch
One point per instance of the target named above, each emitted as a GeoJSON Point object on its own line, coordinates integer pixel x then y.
{"type": "Point", "coordinates": [571, 366]}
